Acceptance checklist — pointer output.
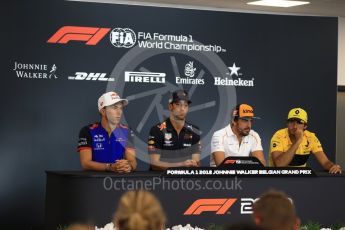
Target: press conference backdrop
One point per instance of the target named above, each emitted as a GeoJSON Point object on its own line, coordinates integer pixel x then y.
{"type": "Point", "coordinates": [59, 57]}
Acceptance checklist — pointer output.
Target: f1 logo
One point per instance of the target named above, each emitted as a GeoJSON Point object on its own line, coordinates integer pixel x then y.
{"type": "Point", "coordinates": [90, 35]}
{"type": "Point", "coordinates": [229, 162]}
{"type": "Point", "coordinates": [219, 206]}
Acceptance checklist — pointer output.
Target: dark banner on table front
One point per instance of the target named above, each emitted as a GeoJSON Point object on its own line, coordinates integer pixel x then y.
{"type": "Point", "coordinates": [58, 57]}
{"type": "Point", "coordinates": [198, 201]}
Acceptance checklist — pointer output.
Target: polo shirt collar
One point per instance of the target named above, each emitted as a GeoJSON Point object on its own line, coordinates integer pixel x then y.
{"type": "Point", "coordinates": [229, 131]}
{"type": "Point", "coordinates": [170, 127]}
{"type": "Point", "coordinates": [101, 126]}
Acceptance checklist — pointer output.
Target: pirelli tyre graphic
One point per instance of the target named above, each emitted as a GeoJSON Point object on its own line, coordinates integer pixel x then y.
{"type": "Point", "coordinates": [146, 77]}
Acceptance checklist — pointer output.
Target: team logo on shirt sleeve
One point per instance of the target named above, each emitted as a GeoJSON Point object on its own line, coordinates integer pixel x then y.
{"type": "Point", "coordinates": [82, 141]}
{"type": "Point", "coordinates": [275, 144]}
{"type": "Point", "coordinates": [162, 126]}
{"type": "Point", "coordinates": [151, 142]}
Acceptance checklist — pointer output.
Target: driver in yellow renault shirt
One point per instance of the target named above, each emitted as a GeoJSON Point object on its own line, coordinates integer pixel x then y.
{"type": "Point", "coordinates": [293, 145]}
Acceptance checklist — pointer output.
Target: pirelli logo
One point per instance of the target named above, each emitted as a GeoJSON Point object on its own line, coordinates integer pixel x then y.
{"type": "Point", "coordinates": [89, 35]}
{"type": "Point", "coordinates": [219, 206]}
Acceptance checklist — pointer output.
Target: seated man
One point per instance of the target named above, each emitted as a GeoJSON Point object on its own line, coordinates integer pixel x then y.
{"type": "Point", "coordinates": [237, 139]}
{"type": "Point", "coordinates": [292, 146]}
{"type": "Point", "coordinates": [175, 143]}
{"type": "Point", "coordinates": [108, 145]}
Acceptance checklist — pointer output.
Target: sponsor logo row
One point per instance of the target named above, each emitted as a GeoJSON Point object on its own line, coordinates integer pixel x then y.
{"type": "Point", "coordinates": [189, 77]}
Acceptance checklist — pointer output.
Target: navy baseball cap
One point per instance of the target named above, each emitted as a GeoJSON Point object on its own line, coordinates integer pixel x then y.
{"type": "Point", "coordinates": [179, 95]}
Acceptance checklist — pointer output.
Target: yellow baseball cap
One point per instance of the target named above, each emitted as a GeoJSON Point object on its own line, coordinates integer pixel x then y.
{"type": "Point", "coordinates": [298, 113]}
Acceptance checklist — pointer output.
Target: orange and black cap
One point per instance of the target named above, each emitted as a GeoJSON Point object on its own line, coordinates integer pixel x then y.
{"type": "Point", "coordinates": [243, 111]}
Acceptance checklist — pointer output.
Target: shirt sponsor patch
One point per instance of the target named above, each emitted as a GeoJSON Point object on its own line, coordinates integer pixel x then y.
{"type": "Point", "coordinates": [167, 136]}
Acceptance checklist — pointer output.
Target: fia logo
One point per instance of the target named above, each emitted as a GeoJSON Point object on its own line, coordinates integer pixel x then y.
{"type": "Point", "coordinates": [123, 37]}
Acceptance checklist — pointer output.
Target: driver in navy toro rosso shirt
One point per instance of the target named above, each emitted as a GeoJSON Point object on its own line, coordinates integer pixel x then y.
{"type": "Point", "coordinates": [108, 145]}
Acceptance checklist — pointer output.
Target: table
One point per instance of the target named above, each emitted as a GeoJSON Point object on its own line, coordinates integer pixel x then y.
{"type": "Point", "coordinates": [92, 197]}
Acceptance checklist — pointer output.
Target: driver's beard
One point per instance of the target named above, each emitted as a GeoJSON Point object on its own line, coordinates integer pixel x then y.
{"type": "Point", "coordinates": [178, 118]}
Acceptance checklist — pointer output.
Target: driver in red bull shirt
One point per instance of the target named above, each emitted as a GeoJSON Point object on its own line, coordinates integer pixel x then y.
{"type": "Point", "coordinates": [175, 142]}
{"type": "Point", "coordinates": [108, 145]}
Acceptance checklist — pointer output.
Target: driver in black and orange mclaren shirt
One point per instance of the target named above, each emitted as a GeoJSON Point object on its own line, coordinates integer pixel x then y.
{"type": "Point", "coordinates": [174, 142]}
{"type": "Point", "coordinates": [293, 145]}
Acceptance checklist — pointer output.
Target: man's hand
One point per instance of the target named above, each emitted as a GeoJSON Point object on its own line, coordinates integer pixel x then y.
{"type": "Point", "coordinates": [121, 166]}
{"type": "Point", "coordinates": [335, 169]}
{"type": "Point", "coordinates": [299, 135]}
{"type": "Point", "coordinates": [190, 163]}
